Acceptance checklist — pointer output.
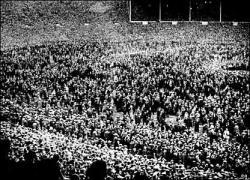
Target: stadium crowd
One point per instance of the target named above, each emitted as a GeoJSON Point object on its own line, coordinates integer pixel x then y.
{"type": "Point", "coordinates": [116, 102]}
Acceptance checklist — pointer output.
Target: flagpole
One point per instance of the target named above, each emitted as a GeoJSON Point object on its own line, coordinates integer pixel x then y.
{"type": "Point", "coordinates": [159, 10]}
{"type": "Point", "coordinates": [220, 11]}
{"type": "Point", "coordinates": [190, 9]}
{"type": "Point", "coordinates": [130, 10]}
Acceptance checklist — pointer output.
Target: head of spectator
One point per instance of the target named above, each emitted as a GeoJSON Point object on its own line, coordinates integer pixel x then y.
{"type": "Point", "coordinates": [97, 170]}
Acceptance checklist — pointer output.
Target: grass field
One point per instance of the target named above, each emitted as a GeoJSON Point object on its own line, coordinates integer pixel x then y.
{"type": "Point", "coordinates": [34, 22]}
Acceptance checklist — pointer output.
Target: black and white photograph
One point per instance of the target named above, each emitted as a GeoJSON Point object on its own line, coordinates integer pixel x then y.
{"type": "Point", "coordinates": [125, 90]}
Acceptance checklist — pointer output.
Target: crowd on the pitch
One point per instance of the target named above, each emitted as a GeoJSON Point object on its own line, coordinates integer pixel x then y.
{"type": "Point", "coordinates": [89, 98]}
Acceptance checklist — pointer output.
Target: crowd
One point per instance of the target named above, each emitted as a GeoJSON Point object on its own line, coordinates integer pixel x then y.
{"type": "Point", "coordinates": [113, 101]}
